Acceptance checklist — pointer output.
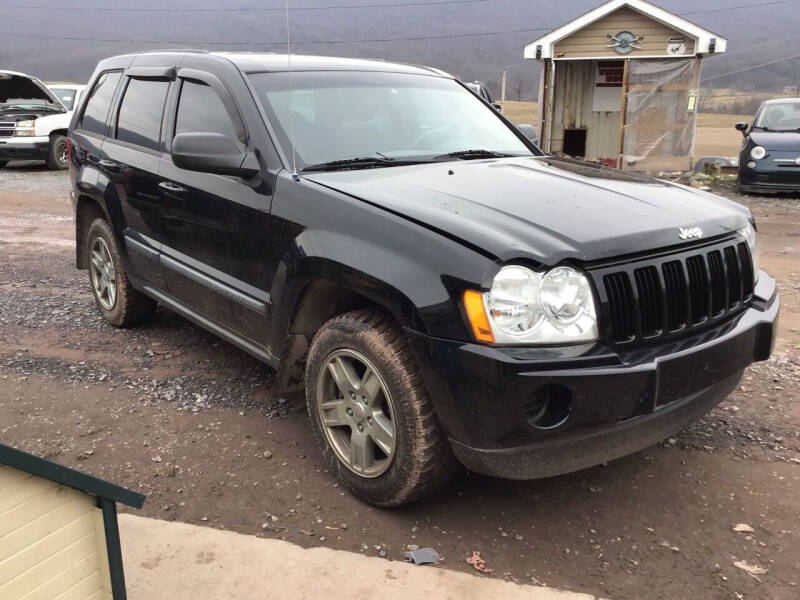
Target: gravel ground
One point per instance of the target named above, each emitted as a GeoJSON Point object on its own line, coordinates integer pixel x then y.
{"type": "Point", "coordinates": [192, 422]}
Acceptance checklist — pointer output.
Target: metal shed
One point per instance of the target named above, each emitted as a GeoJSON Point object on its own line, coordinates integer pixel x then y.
{"type": "Point", "coordinates": [619, 85]}
{"type": "Point", "coordinates": [58, 531]}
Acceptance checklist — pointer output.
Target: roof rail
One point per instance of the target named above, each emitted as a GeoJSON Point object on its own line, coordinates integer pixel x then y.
{"type": "Point", "coordinates": [192, 50]}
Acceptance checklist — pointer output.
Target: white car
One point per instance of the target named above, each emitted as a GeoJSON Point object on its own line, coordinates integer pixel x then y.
{"type": "Point", "coordinates": [34, 119]}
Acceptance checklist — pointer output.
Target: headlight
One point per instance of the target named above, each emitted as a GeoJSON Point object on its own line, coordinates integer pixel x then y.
{"type": "Point", "coordinates": [25, 128]}
{"type": "Point", "coordinates": [758, 152]}
{"type": "Point", "coordinates": [526, 307]}
{"type": "Point", "coordinates": [749, 234]}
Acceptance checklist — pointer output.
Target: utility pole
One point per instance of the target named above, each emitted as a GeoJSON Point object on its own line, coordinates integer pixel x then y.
{"type": "Point", "coordinates": [503, 85]}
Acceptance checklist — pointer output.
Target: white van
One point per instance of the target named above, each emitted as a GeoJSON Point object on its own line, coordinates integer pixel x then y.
{"type": "Point", "coordinates": [34, 119]}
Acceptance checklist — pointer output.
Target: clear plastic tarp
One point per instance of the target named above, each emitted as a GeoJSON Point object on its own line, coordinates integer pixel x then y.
{"type": "Point", "coordinates": [660, 114]}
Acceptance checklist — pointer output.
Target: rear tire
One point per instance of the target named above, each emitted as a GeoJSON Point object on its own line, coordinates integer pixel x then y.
{"type": "Point", "coordinates": [57, 155]}
{"type": "Point", "coordinates": [115, 297]}
{"type": "Point", "coordinates": [417, 458]}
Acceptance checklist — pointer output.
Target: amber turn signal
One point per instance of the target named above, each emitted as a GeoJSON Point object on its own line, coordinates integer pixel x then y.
{"type": "Point", "coordinates": [478, 319]}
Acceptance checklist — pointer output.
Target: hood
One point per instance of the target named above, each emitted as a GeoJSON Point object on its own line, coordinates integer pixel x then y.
{"type": "Point", "coordinates": [776, 141]}
{"type": "Point", "coordinates": [541, 208]}
{"type": "Point", "coordinates": [29, 90]}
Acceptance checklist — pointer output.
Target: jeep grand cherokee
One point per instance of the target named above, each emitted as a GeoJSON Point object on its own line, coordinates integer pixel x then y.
{"type": "Point", "coordinates": [388, 241]}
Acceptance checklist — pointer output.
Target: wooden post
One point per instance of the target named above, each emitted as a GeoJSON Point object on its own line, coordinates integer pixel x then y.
{"type": "Point", "coordinates": [623, 109]}
{"type": "Point", "coordinates": [503, 86]}
{"type": "Point", "coordinates": [543, 109]}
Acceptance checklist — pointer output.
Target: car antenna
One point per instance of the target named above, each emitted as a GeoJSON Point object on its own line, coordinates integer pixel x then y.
{"type": "Point", "coordinates": [295, 176]}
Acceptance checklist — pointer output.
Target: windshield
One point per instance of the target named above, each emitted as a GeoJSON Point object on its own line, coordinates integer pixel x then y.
{"type": "Point", "coordinates": [784, 116]}
{"type": "Point", "coordinates": [65, 95]}
{"type": "Point", "coordinates": [339, 115]}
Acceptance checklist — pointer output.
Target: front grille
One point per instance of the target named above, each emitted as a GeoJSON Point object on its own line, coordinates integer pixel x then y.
{"type": "Point", "coordinates": [7, 128]}
{"type": "Point", "coordinates": [664, 296]}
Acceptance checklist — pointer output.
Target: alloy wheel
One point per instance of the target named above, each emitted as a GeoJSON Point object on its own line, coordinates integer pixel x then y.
{"type": "Point", "coordinates": [103, 274]}
{"type": "Point", "coordinates": [61, 153]}
{"type": "Point", "coordinates": [357, 413]}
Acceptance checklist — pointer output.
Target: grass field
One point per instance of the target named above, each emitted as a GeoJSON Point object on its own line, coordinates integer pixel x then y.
{"type": "Point", "coordinates": [715, 132]}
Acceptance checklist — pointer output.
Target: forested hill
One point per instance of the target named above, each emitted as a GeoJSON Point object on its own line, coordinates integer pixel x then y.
{"type": "Point", "coordinates": [442, 35]}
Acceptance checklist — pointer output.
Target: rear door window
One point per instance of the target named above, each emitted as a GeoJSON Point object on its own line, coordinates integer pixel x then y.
{"type": "Point", "coordinates": [96, 111]}
{"type": "Point", "coordinates": [141, 111]}
{"type": "Point", "coordinates": [201, 109]}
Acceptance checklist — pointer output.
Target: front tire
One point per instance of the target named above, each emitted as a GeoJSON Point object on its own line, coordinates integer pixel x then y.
{"type": "Point", "coordinates": [57, 155]}
{"type": "Point", "coordinates": [115, 297]}
{"type": "Point", "coordinates": [371, 413]}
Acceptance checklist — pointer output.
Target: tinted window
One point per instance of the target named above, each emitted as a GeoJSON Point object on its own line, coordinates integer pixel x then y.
{"type": "Point", "coordinates": [96, 111]}
{"type": "Point", "coordinates": [201, 109]}
{"type": "Point", "coordinates": [140, 113]}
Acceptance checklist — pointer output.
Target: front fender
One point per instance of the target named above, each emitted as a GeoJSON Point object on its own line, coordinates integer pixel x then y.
{"type": "Point", "coordinates": [46, 125]}
{"type": "Point", "coordinates": [414, 273]}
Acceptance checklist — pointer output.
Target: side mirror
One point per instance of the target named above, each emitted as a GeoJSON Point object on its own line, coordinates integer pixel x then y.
{"type": "Point", "coordinates": [741, 127]}
{"type": "Point", "coordinates": [497, 106]}
{"type": "Point", "coordinates": [212, 153]}
{"type": "Point", "coordinates": [529, 132]}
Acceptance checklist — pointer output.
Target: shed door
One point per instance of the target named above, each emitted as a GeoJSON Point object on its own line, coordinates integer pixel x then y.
{"type": "Point", "coordinates": [660, 114]}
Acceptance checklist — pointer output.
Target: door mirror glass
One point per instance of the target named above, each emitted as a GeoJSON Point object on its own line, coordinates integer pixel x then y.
{"type": "Point", "coordinates": [211, 153]}
{"type": "Point", "coordinates": [529, 132]}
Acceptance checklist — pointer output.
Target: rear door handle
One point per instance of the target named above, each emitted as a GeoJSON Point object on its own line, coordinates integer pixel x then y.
{"type": "Point", "coordinates": [173, 188]}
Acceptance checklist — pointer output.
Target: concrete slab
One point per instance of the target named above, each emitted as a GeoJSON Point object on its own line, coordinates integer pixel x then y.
{"type": "Point", "coordinates": [178, 561]}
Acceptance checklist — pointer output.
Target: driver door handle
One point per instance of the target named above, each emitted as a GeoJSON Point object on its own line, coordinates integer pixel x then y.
{"type": "Point", "coordinates": [173, 188]}
{"type": "Point", "coordinates": [108, 164]}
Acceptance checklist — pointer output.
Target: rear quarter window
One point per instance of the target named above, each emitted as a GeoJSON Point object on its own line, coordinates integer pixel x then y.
{"type": "Point", "coordinates": [96, 111]}
{"type": "Point", "coordinates": [141, 112]}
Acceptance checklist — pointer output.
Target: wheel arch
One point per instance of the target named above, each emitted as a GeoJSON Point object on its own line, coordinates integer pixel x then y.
{"type": "Point", "coordinates": [87, 209]}
{"type": "Point", "coordinates": [322, 291]}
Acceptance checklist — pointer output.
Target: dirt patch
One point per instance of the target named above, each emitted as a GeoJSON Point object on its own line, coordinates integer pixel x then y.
{"type": "Point", "coordinates": [191, 421]}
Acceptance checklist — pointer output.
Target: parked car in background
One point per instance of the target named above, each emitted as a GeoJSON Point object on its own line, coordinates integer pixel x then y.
{"type": "Point", "coordinates": [481, 89]}
{"type": "Point", "coordinates": [769, 160]}
{"type": "Point", "coordinates": [440, 288]}
{"type": "Point", "coordinates": [34, 119]}
{"type": "Point", "coordinates": [69, 94]}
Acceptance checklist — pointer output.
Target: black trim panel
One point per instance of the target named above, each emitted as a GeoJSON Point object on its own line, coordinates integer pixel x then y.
{"type": "Point", "coordinates": [182, 309]}
{"type": "Point", "coordinates": [142, 249]}
{"type": "Point", "coordinates": [214, 285]}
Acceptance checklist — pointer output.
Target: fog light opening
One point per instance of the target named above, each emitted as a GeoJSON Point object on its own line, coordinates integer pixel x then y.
{"type": "Point", "coordinates": [549, 407]}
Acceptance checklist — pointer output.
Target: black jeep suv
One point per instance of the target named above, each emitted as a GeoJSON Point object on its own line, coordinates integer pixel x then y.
{"type": "Point", "coordinates": [385, 239]}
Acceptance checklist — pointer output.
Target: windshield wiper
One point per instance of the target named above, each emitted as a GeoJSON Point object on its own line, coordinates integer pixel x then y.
{"type": "Point", "coordinates": [470, 154]}
{"type": "Point", "coordinates": [359, 162]}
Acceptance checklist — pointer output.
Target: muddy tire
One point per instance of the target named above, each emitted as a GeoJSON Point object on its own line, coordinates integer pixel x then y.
{"type": "Point", "coordinates": [57, 154]}
{"type": "Point", "coordinates": [371, 413]}
{"type": "Point", "coordinates": [118, 302]}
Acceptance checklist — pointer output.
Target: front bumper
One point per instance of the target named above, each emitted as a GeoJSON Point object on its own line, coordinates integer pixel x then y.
{"type": "Point", "coordinates": [24, 148]}
{"type": "Point", "coordinates": [621, 402]}
{"type": "Point", "coordinates": [770, 177]}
